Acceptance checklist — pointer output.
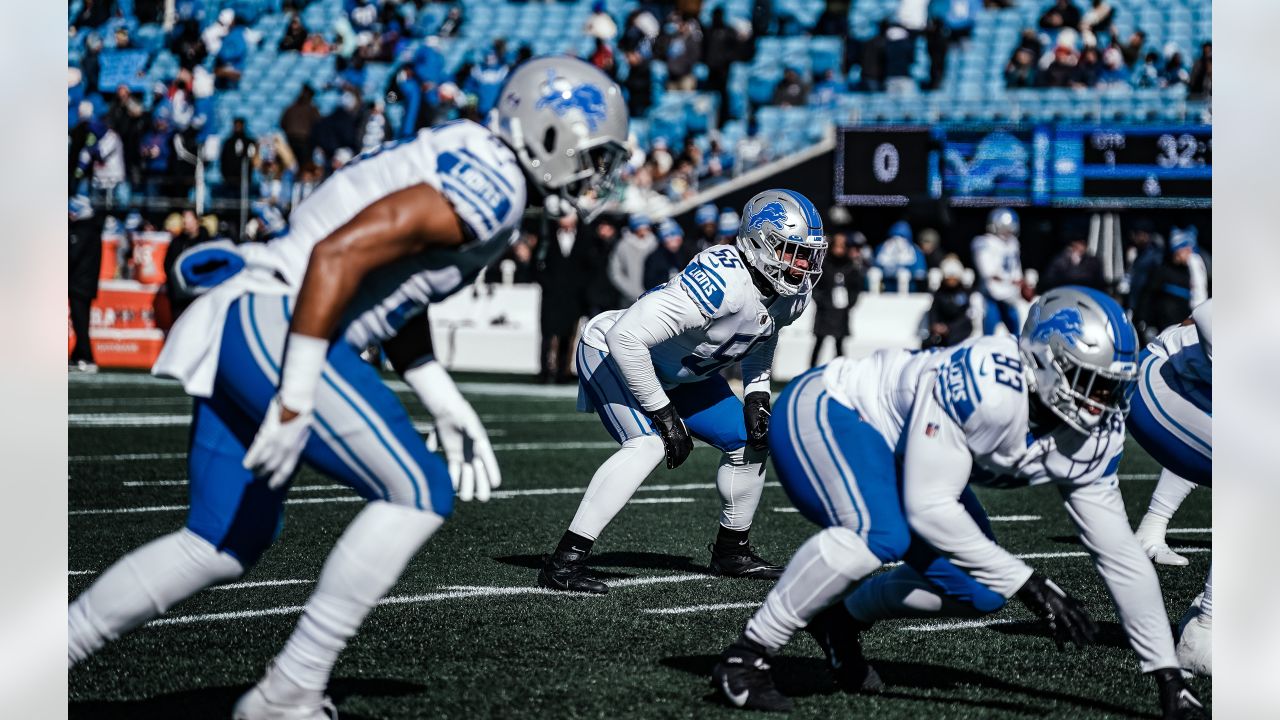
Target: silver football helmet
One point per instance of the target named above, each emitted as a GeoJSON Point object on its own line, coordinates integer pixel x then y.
{"type": "Point", "coordinates": [567, 123]}
{"type": "Point", "coordinates": [780, 235]}
{"type": "Point", "coordinates": [1080, 356]}
{"type": "Point", "coordinates": [1003, 222]}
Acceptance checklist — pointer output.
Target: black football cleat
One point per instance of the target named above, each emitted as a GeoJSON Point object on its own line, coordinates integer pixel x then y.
{"type": "Point", "coordinates": [1177, 701]}
{"type": "Point", "coordinates": [742, 679]}
{"type": "Point", "coordinates": [742, 562]}
{"type": "Point", "coordinates": [567, 572]}
{"type": "Point", "coordinates": [839, 636]}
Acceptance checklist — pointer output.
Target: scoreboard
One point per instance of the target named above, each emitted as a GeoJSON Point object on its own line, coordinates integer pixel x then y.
{"type": "Point", "coordinates": [1101, 166]}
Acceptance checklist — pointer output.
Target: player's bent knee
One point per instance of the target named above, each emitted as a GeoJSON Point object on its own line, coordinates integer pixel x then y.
{"type": "Point", "coordinates": [647, 445]}
{"type": "Point", "coordinates": [986, 601]}
{"type": "Point", "coordinates": [218, 566]}
{"type": "Point", "coordinates": [844, 551]}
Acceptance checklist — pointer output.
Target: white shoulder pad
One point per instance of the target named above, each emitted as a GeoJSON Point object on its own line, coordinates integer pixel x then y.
{"type": "Point", "coordinates": [980, 386]}
{"type": "Point", "coordinates": [479, 175]}
{"type": "Point", "coordinates": [718, 281]}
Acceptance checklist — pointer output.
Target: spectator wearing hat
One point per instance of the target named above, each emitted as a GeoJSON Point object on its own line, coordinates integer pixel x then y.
{"type": "Point", "coordinates": [727, 227]}
{"type": "Point", "coordinates": [1075, 265]}
{"type": "Point", "coordinates": [485, 81]}
{"type": "Point", "coordinates": [84, 255]}
{"type": "Point", "coordinates": [626, 263]}
{"type": "Point", "coordinates": [239, 154]}
{"type": "Point", "coordinates": [1179, 284]}
{"type": "Point", "coordinates": [834, 297]}
{"type": "Point", "coordinates": [600, 24]}
{"type": "Point", "coordinates": [948, 321]}
{"type": "Point", "coordinates": [295, 34]}
{"type": "Point", "coordinates": [899, 56]}
{"type": "Point", "coordinates": [1061, 14]}
{"type": "Point", "coordinates": [638, 83]}
{"type": "Point", "coordinates": [668, 259]}
{"type": "Point", "coordinates": [898, 252]}
{"type": "Point", "coordinates": [704, 234]}
{"type": "Point", "coordinates": [599, 294]}
{"type": "Point", "coordinates": [1133, 47]}
{"type": "Point", "coordinates": [1143, 256]}
{"type": "Point", "coordinates": [930, 244]}
{"type": "Point", "coordinates": [1147, 75]}
{"type": "Point", "coordinates": [791, 91]}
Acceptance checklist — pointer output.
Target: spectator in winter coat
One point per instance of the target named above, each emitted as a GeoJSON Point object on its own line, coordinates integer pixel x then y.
{"type": "Point", "coordinates": [948, 322]}
{"type": "Point", "coordinates": [1061, 14]}
{"type": "Point", "coordinates": [1179, 284]}
{"type": "Point", "coordinates": [560, 268]}
{"type": "Point", "coordinates": [1073, 266]}
{"type": "Point", "coordinates": [626, 264]}
{"type": "Point", "coordinates": [639, 84]}
{"type": "Point", "coordinates": [791, 90]}
{"type": "Point", "coordinates": [834, 297]}
{"type": "Point", "coordinates": [668, 259]}
{"type": "Point", "coordinates": [898, 252]}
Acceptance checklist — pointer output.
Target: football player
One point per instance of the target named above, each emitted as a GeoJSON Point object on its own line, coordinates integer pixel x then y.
{"type": "Point", "coordinates": [997, 258]}
{"type": "Point", "coordinates": [1172, 419]}
{"type": "Point", "coordinates": [271, 356]}
{"type": "Point", "coordinates": [880, 452]}
{"type": "Point", "coordinates": [652, 373]}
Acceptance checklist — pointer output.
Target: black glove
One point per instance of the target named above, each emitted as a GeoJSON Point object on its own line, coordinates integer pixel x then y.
{"type": "Point", "coordinates": [755, 408]}
{"type": "Point", "coordinates": [1068, 620]}
{"type": "Point", "coordinates": [675, 436]}
{"type": "Point", "coordinates": [1177, 702]}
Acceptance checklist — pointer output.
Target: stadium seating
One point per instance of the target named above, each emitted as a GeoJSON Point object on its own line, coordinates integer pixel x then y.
{"type": "Point", "coordinates": [973, 86]}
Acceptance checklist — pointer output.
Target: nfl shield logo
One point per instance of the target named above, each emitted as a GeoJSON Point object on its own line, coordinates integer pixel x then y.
{"type": "Point", "coordinates": [764, 318]}
{"type": "Point", "coordinates": [931, 429]}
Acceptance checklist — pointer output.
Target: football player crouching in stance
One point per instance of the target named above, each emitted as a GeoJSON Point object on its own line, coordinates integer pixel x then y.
{"type": "Point", "coordinates": [270, 352]}
{"type": "Point", "coordinates": [1048, 408]}
{"type": "Point", "coordinates": [652, 373]}
{"type": "Point", "coordinates": [1172, 419]}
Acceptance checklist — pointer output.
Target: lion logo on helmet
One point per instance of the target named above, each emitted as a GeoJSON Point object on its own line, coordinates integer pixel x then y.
{"type": "Point", "coordinates": [1066, 323]}
{"type": "Point", "coordinates": [561, 96]}
{"type": "Point", "coordinates": [772, 212]}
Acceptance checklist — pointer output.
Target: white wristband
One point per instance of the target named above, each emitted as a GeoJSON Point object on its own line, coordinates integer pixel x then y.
{"type": "Point", "coordinates": [304, 358]}
{"type": "Point", "coordinates": [433, 386]}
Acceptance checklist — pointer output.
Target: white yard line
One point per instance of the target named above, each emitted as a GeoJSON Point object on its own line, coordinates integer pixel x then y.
{"type": "Point", "coordinates": [531, 390]}
{"type": "Point", "coordinates": [81, 572]}
{"type": "Point", "coordinates": [1189, 531]}
{"type": "Point", "coordinates": [993, 518]}
{"type": "Point", "coordinates": [959, 625]}
{"type": "Point", "coordinates": [655, 501]}
{"type": "Point", "coordinates": [498, 447]}
{"type": "Point", "coordinates": [456, 592]}
{"type": "Point", "coordinates": [1081, 553]}
{"type": "Point", "coordinates": [700, 608]}
{"type": "Point", "coordinates": [260, 583]}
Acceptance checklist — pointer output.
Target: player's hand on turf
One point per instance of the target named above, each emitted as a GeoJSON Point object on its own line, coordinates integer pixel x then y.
{"type": "Point", "coordinates": [755, 410]}
{"type": "Point", "coordinates": [472, 465]}
{"type": "Point", "coordinates": [1177, 701]}
{"type": "Point", "coordinates": [1068, 621]}
{"type": "Point", "coordinates": [675, 436]}
{"type": "Point", "coordinates": [278, 445]}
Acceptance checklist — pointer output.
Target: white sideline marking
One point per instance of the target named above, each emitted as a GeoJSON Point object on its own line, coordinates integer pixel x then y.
{"type": "Point", "coordinates": [467, 388]}
{"type": "Point", "coordinates": [127, 420]}
{"type": "Point", "coordinates": [1081, 553]}
{"type": "Point", "coordinates": [128, 456]}
{"type": "Point", "coordinates": [1188, 531]}
{"type": "Point", "coordinates": [452, 592]}
{"type": "Point", "coordinates": [497, 494]}
{"type": "Point", "coordinates": [183, 483]}
{"type": "Point", "coordinates": [700, 608]}
{"type": "Point", "coordinates": [81, 572]}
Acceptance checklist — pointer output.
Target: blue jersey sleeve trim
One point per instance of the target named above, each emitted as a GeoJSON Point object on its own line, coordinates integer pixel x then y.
{"type": "Point", "coordinates": [697, 296]}
{"type": "Point", "coordinates": [1113, 466]}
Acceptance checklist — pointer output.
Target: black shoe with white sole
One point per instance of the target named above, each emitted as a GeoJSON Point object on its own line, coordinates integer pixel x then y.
{"type": "Point", "coordinates": [567, 572]}
{"type": "Point", "coordinates": [742, 562]}
{"type": "Point", "coordinates": [742, 678]}
{"type": "Point", "coordinates": [839, 636]}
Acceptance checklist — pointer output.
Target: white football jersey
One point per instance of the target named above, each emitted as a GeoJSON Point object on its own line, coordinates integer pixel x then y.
{"type": "Point", "coordinates": [998, 265]}
{"type": "Point", "coordinates": [979, 384]}
{"type": "Point", "coordinates": [474, 170]}
{"type": "Point", "coordinates": [469, 165]}
{"type": "Point", "coordinates": [1183, 348]}
{"type": "Point", "coordinates": [737, 320]}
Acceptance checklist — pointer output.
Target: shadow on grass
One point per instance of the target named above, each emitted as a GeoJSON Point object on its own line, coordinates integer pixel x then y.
{"type": "Point", "coordinates": [1173, 540]}
{"type": "Point", "coordinates": [217, 702]}
{"type": "Point", "coordinates": [804, 677]}
{"type": "Point", "coordinates": [1110, 634]}
{"type": "Point", "coordinates": [629, 560]}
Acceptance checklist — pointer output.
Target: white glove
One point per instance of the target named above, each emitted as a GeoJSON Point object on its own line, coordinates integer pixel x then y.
{"type": "Point", "coordinates": [472, 465]}
{"type": "Point", "coordinates": [278, 445]}
{"type": "Point", "coordinates": [458, 432]}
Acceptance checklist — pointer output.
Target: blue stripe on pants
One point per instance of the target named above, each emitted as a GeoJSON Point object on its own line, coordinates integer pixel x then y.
{"type": "Point", "coordinates": [836, 468]}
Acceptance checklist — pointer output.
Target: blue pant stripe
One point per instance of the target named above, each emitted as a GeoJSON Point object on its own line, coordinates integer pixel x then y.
{"type": "Point", "coordinates": [646, 428]}
{"type": "Point", "coordinates": [826, 441]}
{"type": "Point", "coordinates": [1204, 447]}
{"type": "Point", "coordinates": [811, 473]}
{"type": "Point", "coordinates": [587, 379]}
{"type": "Point", "coordinates": [417, 488]}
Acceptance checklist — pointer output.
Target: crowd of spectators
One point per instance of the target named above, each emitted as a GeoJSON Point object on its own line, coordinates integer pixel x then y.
{"type": "Point", "coordinates": [1078, 49]}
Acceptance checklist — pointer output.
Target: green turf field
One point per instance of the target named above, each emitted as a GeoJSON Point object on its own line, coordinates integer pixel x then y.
{"type": "Point", "coordinates": [466, 635]}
